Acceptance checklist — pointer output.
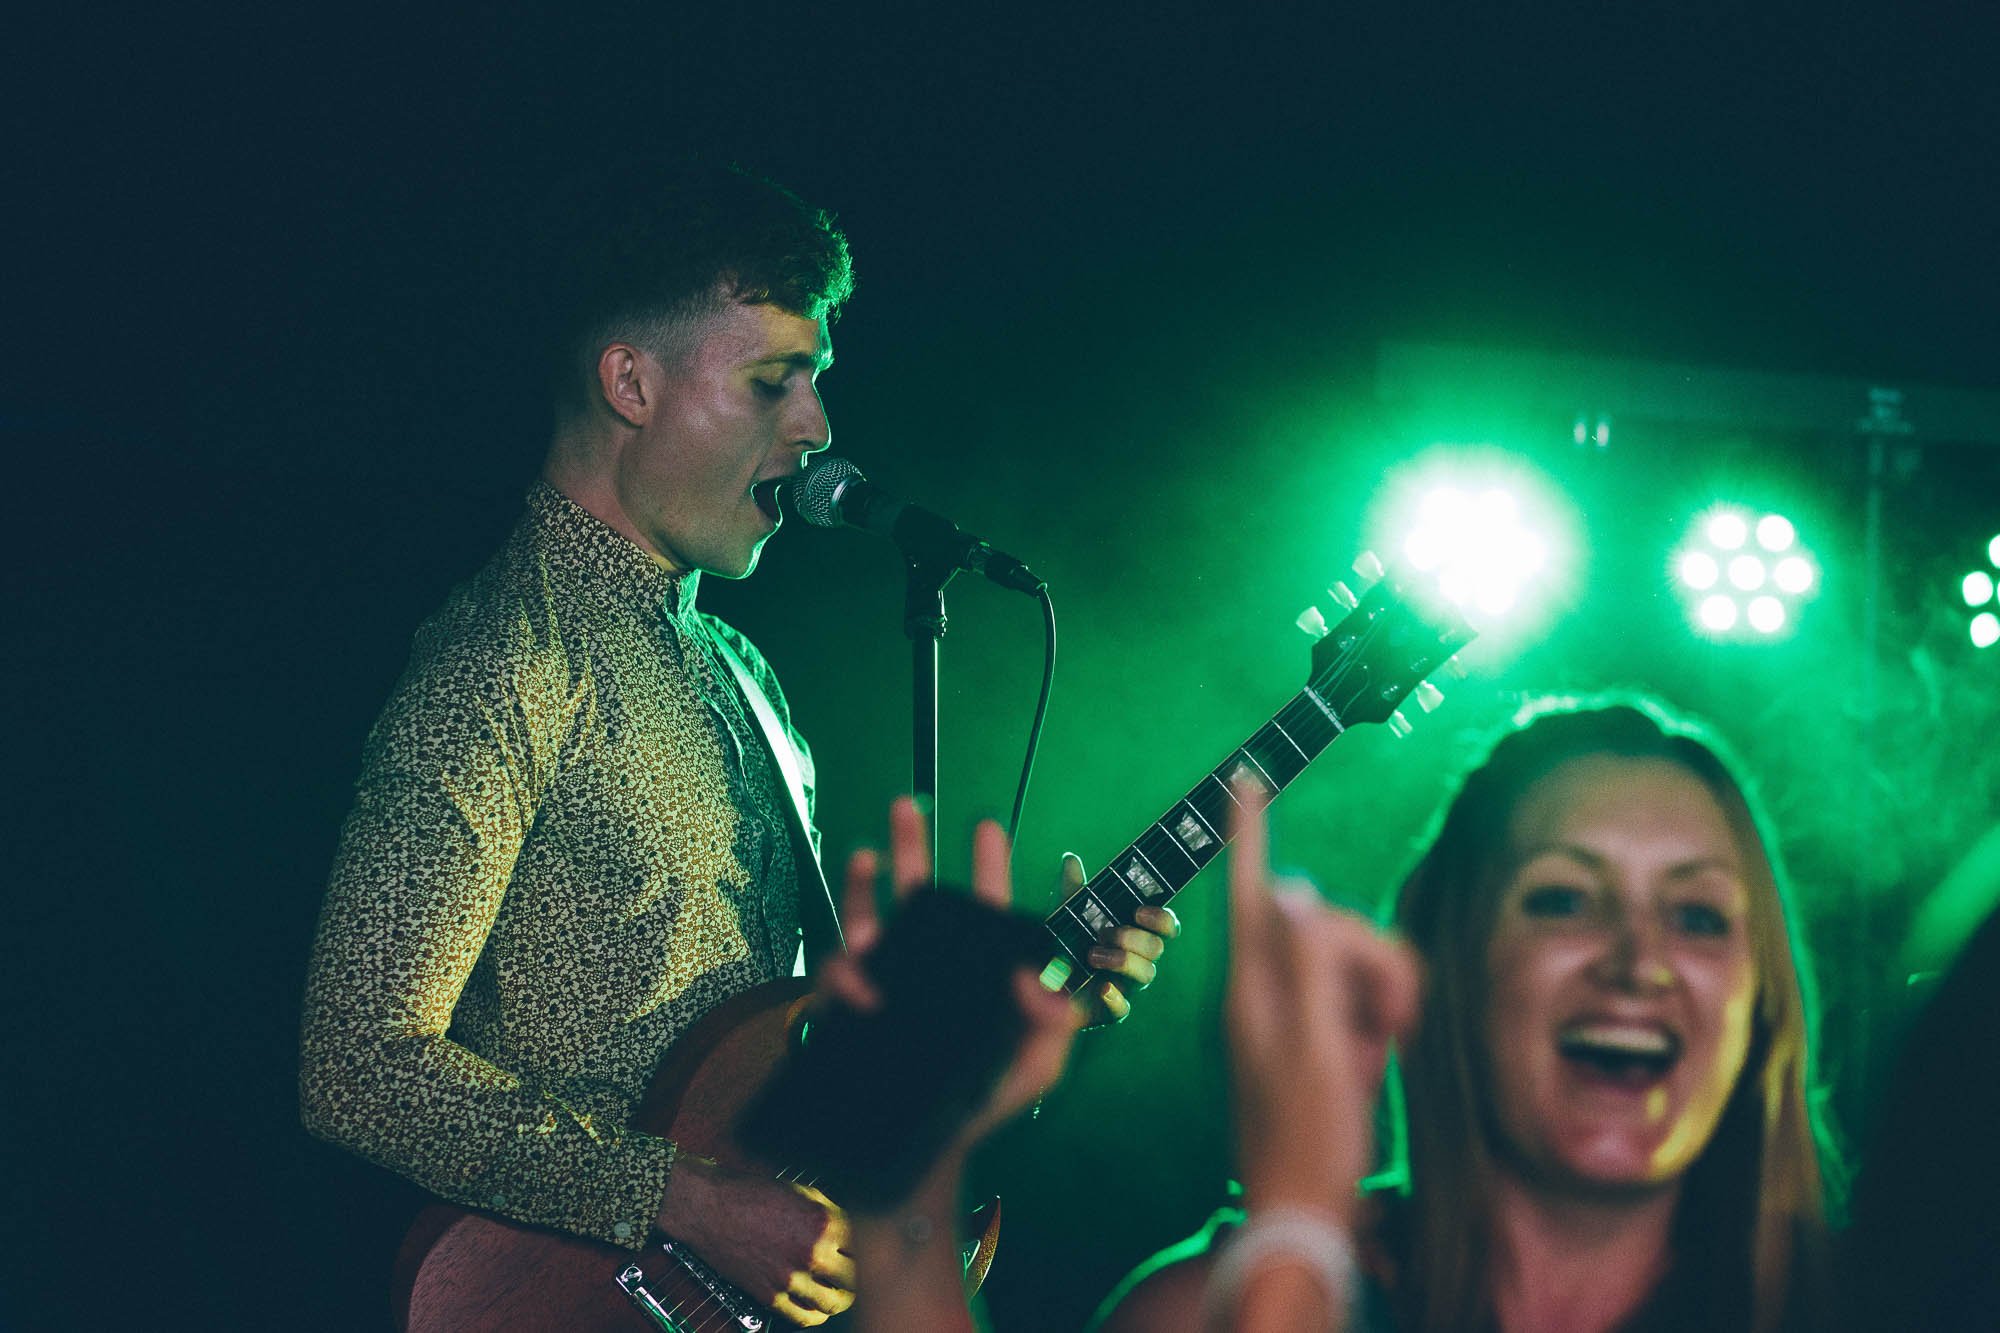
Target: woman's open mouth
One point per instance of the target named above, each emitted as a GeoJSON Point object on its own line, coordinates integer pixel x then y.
{"type": "Point", "coordinates": [1626, 1055]}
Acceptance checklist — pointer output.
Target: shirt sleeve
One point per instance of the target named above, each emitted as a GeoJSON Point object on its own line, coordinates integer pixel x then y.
{"type": "Point", "coordinates": [450, 782]}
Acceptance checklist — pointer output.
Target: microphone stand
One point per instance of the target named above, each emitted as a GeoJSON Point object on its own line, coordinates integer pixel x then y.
{"type": "Point", "coordinates": [924, 625]}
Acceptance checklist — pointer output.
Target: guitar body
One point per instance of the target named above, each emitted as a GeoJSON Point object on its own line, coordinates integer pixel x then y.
{"type": "Point", "coordinates": [461, 1271]}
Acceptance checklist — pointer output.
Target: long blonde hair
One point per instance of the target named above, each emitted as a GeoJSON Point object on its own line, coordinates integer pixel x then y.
{"type": "Point", "coordinates": [1751, 1216]}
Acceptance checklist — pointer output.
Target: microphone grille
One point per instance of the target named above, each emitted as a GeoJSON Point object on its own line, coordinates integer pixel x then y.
{"type": "Point", "coordinates": [818, 494]}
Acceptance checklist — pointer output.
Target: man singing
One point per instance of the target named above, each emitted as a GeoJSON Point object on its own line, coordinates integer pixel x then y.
{"type": "Point", "coordinates": [569, 838]}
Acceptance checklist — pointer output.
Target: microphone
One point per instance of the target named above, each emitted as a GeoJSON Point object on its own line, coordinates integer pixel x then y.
{"type": "Point", "coordinates": [833, 493]}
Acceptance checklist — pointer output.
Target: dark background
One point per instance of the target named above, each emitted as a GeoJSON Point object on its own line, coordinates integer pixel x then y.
{"type": "Point", "coordinates": [1123, 278]}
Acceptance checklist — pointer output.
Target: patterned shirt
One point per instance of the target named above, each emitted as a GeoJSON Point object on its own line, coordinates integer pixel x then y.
{"type": "Point", "coordinates": [567, 845]}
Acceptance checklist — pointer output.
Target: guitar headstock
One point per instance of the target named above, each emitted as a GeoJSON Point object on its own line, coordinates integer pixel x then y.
{"type": "Point", "coordinates": [1386, 643]}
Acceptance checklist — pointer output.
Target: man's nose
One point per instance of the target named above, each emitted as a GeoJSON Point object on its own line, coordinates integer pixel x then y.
{"type": "Point", "coordinates": [812, 432]}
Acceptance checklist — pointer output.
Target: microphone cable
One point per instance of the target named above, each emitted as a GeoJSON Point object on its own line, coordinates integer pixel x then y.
{"type": "Point", "coordinates": [1041, 710]}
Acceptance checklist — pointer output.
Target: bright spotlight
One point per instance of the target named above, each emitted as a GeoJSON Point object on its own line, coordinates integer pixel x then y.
{"type": "Point", "coordinates": [1477, 546]}
{"type": "Point", "coordinates": [1979, 589]}
{"type": "Point", "coordinates": [1734, 588]}
{"type": "Point", "coordinates": [1775, 533]}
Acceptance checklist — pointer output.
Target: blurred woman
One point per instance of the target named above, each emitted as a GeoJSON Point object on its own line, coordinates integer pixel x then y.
{"type": "Point", "coordinates": [1607, 1120]}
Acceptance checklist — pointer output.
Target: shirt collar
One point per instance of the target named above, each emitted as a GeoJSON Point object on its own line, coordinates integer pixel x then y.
{"type": "Point", "coordinates": [583, 544]}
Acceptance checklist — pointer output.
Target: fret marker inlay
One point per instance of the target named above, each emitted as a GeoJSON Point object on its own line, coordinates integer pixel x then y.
{"type": "Point", "coordinates": [1140, 876]}
{"type": "Point", "coordinates": [1194, 834]}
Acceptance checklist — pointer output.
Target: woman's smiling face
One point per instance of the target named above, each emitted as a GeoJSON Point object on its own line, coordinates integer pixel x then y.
{"type": "Point", "coordinates": [1621, 977]}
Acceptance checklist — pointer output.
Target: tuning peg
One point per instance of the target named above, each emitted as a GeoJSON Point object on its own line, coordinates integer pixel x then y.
{"type": "Point", "coordinates": [1399, 725]}
{"type": "Point", "coordinates": [1428, 695]}
{"type": "Point", "coordinates": [1313, 623]}
{"type": "Point", "coordinates": [1343, 597]}
{"type": "Point", "coordinates": [1368, 565]}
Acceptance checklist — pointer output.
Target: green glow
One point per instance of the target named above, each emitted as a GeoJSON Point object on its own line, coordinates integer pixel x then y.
{"type": "Point", "coordinates": [1775, 533]}
{"type": "Point", "coordinates": [1993, 553]}
{"type": "Point", "coordinates": [1985, 629]}
{"type": "Point", "coordinates": [1978, 588]}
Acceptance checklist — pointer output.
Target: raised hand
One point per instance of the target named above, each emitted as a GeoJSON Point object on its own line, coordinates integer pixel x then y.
{"type": "Point", "coordinates": [1051, 1021]}
{"type": "Point", "coordinates": [1314, 997]}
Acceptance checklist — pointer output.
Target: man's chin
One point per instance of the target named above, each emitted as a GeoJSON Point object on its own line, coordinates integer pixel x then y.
{"type": "Point", "coordinates": [737, 568]}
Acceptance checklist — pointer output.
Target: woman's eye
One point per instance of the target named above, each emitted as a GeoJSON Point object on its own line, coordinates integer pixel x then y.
{"type": "Point", "coordinates": [1552, 901]}
{"type": "Point", "coordinates": [1701, 919]}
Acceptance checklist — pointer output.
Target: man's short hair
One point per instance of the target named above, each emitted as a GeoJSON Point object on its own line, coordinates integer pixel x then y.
{"type": "Point", "coordinates": [645, 253]}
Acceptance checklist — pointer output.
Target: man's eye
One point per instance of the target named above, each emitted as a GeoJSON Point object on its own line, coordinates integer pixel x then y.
{"type": "Point", "coordinates": [1552, 900]}
{"type": "Point", "coordinates": [772, 389]}
{"type": "Point", "coordinates": [1701, 919]}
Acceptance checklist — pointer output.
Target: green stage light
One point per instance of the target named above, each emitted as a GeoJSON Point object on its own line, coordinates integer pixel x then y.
{"type": "Point", "coordinates": [1979, 590]}
{"type": "Point", "coordinates": [1477, 546]}
{"type": "Point", "coordinates": [1492, 531]}
{"type": "Point", "coordinates": [1744, 573]}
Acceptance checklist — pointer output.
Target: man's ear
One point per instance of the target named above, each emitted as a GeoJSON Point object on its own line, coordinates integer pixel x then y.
{"type": "Point", "coordinates": [622, 380]}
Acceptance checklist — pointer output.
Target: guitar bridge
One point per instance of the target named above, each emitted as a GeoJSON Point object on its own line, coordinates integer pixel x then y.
{"type": "Point", "coordinates": [717, 1297]}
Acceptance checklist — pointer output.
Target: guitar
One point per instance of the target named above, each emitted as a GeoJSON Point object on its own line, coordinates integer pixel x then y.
{"type": "Point", "coordinates": [466, 1272]}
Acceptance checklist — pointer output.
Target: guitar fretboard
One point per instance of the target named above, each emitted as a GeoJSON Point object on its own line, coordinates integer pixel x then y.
{"type": "Point", "coordinates": [1193, 831]}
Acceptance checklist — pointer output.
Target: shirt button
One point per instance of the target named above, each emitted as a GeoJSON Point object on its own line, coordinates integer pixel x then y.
{"type": "Point", "coordinates": [623, 1231]}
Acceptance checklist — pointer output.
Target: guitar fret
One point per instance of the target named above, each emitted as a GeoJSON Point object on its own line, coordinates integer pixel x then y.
{"type": "Point", "coordinates": [1071, 936]}
{"type": "Point", "coordinates": [1195, 836]}
{"type": "Point", "coordinates": [1140, 876]}
{"type": "Point", "coordinates": [1092, 912]}
{"type": "Point", "coordinates": [1246, 766]}
{"type": "Point", "coordinates": [1279, 727]}
{"type": "Point", "coordinates": [1165, 851]}
{"type": "Point", "coordinates": [1106, 882]}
